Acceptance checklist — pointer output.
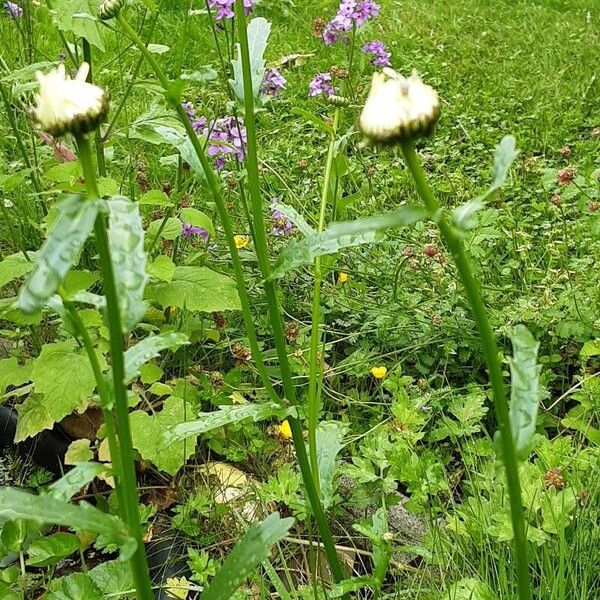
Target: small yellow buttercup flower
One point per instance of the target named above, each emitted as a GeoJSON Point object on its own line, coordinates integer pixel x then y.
{"type": "Point", "coordinates": [66, 105]}
{"type": "Point", "coordinates": [398, 108]}
{"type": "Point", "coordinates": [241, 241]}
{"type": "Point", "coordinates": [343, 277]}
{"type": "Point", "coordinates": [285, 430]}
{"type": "Point", "coordinates": [379, 372]}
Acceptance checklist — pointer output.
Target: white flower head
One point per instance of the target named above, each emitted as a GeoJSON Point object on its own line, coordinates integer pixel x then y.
{"type": "Point", "coordinates": [399, 108]}
{"type": "Point", "coordinates": [66, 105]}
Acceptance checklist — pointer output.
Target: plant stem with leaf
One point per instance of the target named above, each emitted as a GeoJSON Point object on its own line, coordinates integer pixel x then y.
{"type": "Point", "coordinates": [129, 508]}
{"type": "Point", "coordinates": [270, 286]}
{"type": "Point", "coordinates": [315, 364]}
{"type": "Point", "coordinates": [454, 242]}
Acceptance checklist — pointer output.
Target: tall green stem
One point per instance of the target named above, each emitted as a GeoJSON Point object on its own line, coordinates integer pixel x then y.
{"type": "Point", "coordinates": [315, 365]}
{"type": "Point", "coordinates": [215, 190]}
{"type": "Point", "coordinates": [262, 252]}
{"type": "Point", "coordinates": [129, 508]}
{"type": "Point", "coordinates": [455, 244]}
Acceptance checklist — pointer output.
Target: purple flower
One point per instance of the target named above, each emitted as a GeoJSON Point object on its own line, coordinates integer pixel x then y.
{"type": "Point", "coordinates": [225, 8]}
{"type": "Point", "coordinates": [381, 57]}
{"type": "Point", "coordinates": [189, 231]}
{"type": "Point", "coordinates": [273, 83]}
{"type": "Point", "coordinates": [226, 137]}
{"type": "Point", "coordinates": [321, 84]}
{"type": "Point", "coordinates": [197, 123]}
{"type": "Point", "coordinates": [282, 226]}
{"type": "Point", "coordinates": [14, 10]}
{"type": "Point", "coordinates": [351, 13]}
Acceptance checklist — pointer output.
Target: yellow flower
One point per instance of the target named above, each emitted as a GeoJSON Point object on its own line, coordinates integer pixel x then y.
{"type": "Point", "coordinates": [379, 372]}
{"type": "Point", "coordinates": [241, 241]}
{"type": "Point", "coordinates": [343, 277]}
{"type": "Point", "coordinates": [285, 430]}
{"type": "Point", "coordinates": [177, 588]}
{"type": "Point", "coordinates": [398, 108]}
{"type": "Point", "coordinates": [67, 105]}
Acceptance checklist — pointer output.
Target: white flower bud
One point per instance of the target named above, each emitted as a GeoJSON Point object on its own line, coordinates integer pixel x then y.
{"type": "Point", "coordinates": [399, 108]}
{"type": "Point", "coordinates": [67, 105]}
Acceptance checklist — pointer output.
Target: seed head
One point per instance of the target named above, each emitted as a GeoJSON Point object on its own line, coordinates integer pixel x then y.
{"type": "Point", "coordinates": [554, 479]}
{"type": "Point", "coordinates": [399, 108]}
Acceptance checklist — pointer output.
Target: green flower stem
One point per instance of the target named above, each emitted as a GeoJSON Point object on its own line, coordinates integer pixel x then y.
{"type": "Point", "coordinates": [215, 189]}
{"type": "Point", "coordinates": [455, 244]}
{"type": "Point", "coordinates": [103, 392]}
{"type": "Point", "coordinates": [128, 483]}
{"type": "Point", "coordinates": [262, 253]}
{"type": "Point", "coordinates": [315, 365]}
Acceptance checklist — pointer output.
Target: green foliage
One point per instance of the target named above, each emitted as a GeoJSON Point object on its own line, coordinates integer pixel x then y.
{"type": "Point", "coordinates": [52, 549]}
{"type": "Point", "coordinates": [16, 504]}
{"type": "Point", "coordinates": [126, 236]}
{"type": "Point", "coordinates": [196, 289]}
{"type": "Point", "coordinates": [248, 553]}
{"type": "Point", "coordinates": [79, 18]}
{"type": "Point", "coordinates": [73, 225]}
{"type": "Point", "coordinates": [330, 435]}
{"type": "Point", "coordinates": [524, 398]}
{"type": "Point", "coordinates": [14, 266]}
{"type": "Point", "coordinates": [63, 381]}
{"type": "Point", "coordinates": [343, 235]}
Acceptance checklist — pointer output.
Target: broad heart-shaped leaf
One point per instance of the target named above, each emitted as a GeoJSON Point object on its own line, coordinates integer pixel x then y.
{"type": "Point", "coordinates": [329, 443]}
{"type": "Point", "coordinates": [126, 235]}
{"type": "Point", "coordinates": [524, 396]}
{"type": "Point", "coordinates": [344, 234]}
{"type": "Point", "coordinates": [259, 30]}
{"type": "Point", "coordinates": [17, 504]}
{"type": "Point", "coordinates": [196, 289]}
{"type": "Point", "coordinates": [149, 348]}
{"type": "Point", "coordinates": [15, 265]}
{"type": "Point", "coordinates": [63, 381]}
{"type": "Point", "coordinates": [147, 433]}
{"type": "Point", "coordinates": [224, 416]}
{"type": "Point", "coordinates": [73, 225]}
{"type": "Point", "coordinates": [79, 17]}
{"type": "Point", "coordinates": [506, 152]}
{"type": "Point", "coordinates": [248, 553]}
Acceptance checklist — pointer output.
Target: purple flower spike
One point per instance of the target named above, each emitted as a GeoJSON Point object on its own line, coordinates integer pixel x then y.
{"type": "Point", "coordinates": [381, 57]}
{"type": "Point", "coordinates": [273, 83]}
{"type": "Point", "coordinates": [14, 10]}
{"type": "Point", "coordinates": [282, 226]}
{"type": "Point", "coordinates": [190, 231]}
{"type": "Point", "coordinates": [321, 84]}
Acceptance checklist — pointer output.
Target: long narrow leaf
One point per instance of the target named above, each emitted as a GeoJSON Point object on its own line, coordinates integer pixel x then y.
{"type": "Point", "coordinates": [71, 229]}
{"type": "Point", "coordinates": [17, 504]}
{"type": "Point", "coordinates": [524, 397]}
{"type": "Point", "coordinates": [253, 549]}
{"type": "Point", "coordinates": [129, 259]}
{"type": "Point", "coordinates": [344, 234]}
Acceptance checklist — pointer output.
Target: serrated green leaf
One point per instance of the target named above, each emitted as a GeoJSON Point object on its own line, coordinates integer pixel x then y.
{"type": "Point", "coordinates": [63, 381]}
{"type": "Point", "coordinates": [247, 554]}
{"type": "Point", "coordinates": [344, 234]}
{"type": "Point", "coordinates": [196, 289]}
{"type": "Point", "coordinates": [259, 30]}
{"type": "Point", "coordinates": [147, 431]}
{"type": "Point", "coordinates": [52, 549]}
{"type": "Point", "coordinates": [79, 17]}
{"type": "Point", "coordinates": [590, 348]}
{"type": "Point", "coordinates": [330, 435]}
{"type": "Point", "coordinates": [14, 266]}
{"type": "Point", "coordinates": [79, 451]}
{"type": "Point", "coordinates": [71, 229]}
{"type": "Point", "coordinates": [17, 504]}
{"type": "Point", "coordinates": [524, 397]}
{"type": "Point", "coordinates": [226, 415]}
{"type": "Point", "coordinates": [126, 235]}
{"type": "Point", "coordinates": [162, 268]}
{"type": "Point", "coordinates": [150, 348]}
{"type": "Point", "coordinates": [76, 586]}
{"type": "Point", "coordinates": [11, 373]}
